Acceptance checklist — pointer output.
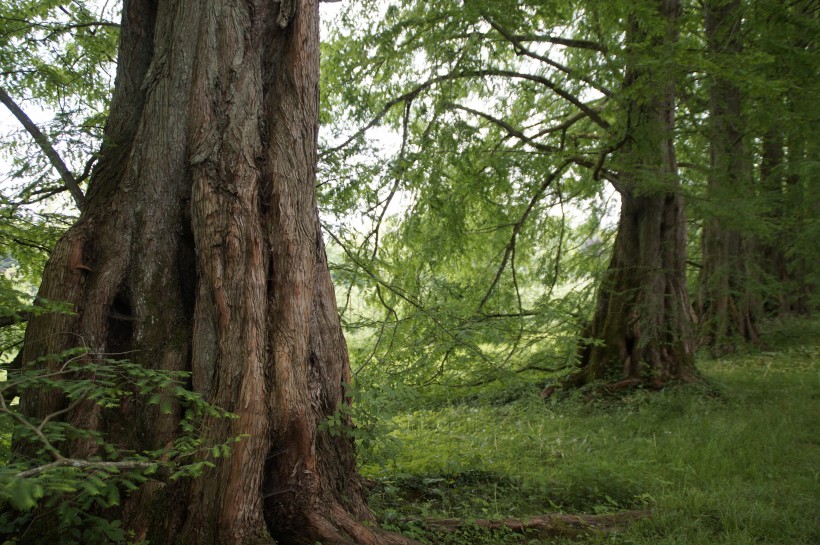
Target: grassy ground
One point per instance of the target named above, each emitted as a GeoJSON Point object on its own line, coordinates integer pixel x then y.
{"type": "Point", "coordinates": [735, 463]}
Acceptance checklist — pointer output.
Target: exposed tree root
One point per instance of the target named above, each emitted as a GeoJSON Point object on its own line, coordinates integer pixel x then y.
{"type": "Point", "coordinates": [335, 526]}
{"type": "Point", "coordinates": [549, 525]}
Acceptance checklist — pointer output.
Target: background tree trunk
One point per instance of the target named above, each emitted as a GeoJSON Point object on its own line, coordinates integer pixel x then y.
{"type": "Point", "coordinates": [777, 302]}
{"type": "Point", "coordinates": [641, 329]}
{"type": "Point", "coordinates": [788, 141]}
{"type": "Point", "coordinates": [729, 304]}
{"type": "Point", "coordinates": [200, 250]}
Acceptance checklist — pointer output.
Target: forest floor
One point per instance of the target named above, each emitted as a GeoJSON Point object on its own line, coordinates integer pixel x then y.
{"type": "Point", "coordinates": [734, 462]}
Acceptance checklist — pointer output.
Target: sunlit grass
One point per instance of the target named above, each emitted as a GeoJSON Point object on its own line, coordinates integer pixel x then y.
{"type": "Point", "coordinates": [736, 462]}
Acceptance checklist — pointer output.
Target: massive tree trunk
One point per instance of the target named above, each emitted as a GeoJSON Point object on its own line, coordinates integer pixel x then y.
{"type": "Point", "coordinates": [729, 300]}
{"type": "Point", "coordinates": [199, 250]}
{"type": "Point", "coordinates": [641, 330]}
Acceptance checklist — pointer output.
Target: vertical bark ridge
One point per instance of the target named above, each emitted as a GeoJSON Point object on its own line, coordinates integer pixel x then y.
{"type": "Point", "coordinates": [229, 364]}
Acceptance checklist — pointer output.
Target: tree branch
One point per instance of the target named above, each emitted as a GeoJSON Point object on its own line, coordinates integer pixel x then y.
{"type": "Point", "coordinates": [511, 130]}
{"type": "Point", "coordinates": [84, 464]}
{"type": "Point", "coordinates": [521, 50]}
{"type": "Point", "coordinates": [410, 300]}
{"type": "Point", "coordinates": [588, 111]}
{"type": "Point", "coordinates": [519, 224]}
{"type": "Point", "coordinates": [49, 151]}
{"type": "Point", "coordinates": [569, 97]}
{"type": "Point", "coordinates": [13, 319]}
{"type": "Point", "coordinates": [567, 42]}
{"type": "Point", "coordinates": [570, 121]}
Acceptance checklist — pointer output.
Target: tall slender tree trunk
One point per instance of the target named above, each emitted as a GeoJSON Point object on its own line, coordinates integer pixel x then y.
{"type": "Point", "coordinates": [774, 263]}
{"type": "Point", "coordinates": [641, 330]}
{"type": "Point", "coordinates": [792, 281]}
{"type": "Point", "coordinates": [730, 305]}
{"type": "Point", "coordinates": [199, 250]}
{"type": "Point", "coordinates": [800, 225]}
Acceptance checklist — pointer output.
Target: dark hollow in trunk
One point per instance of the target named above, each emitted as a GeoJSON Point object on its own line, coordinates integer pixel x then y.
{"type": "Point", "coordinates": [642, 327]}
{"type": "Point", "coordinates": [199, 249]}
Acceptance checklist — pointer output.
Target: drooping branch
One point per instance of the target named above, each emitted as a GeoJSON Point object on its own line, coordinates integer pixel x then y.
{"type": "Point", "coordinates": [403, 294]}
{"type": "Point", "coordinates": [569, 97]}
{"type": "Point", "coordinates": [588, 110]}
{"type": "Point", "coordinates": [511, 130]}
{"type": "Point", "coordinates": [397, 182]}
{"type": "Point", "coordinates": [358, 262]}
{"type": "Point", "coordinates": [519, 224]}
{"type": "Point", "coordinates": [560, 249]}
{"type": "Point", "coordinates": [46, 147]}
{"type": "Point", "coordinates": [520, 49]}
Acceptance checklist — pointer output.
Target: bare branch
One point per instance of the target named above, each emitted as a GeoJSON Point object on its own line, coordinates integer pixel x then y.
{"type": "Point", "coordinates": [567, 42]}
{"type": "Point", "coordinates": [84, 464]}
{"type": "Point", "coordinates": [519, 224]}
{"type": "Point", "coordinates": [521, 50]}
{"type": "Point", "coordinates": [49, 151]}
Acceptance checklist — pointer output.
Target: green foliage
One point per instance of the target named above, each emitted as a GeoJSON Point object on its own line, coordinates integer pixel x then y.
{"type": "Point", "coordinates": [456, 261]}
{"type": "Point", "coordinates": [360, 417]}
{"type": "Point", "coordinates": [40, 477]}
{"type": "Point", "coordinates": [56, 62]}
{"type": "Point", "coordinates": [461, 261]}
{"type": "Point", "coordinates": [469, 228]}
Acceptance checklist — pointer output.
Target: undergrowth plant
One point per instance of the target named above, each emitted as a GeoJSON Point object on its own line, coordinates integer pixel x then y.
{"type": "Point", "coordinates": [41, 477]}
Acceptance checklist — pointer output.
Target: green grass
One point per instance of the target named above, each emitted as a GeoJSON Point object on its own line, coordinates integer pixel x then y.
{"type": "Point", "coordinates": [740, 466]}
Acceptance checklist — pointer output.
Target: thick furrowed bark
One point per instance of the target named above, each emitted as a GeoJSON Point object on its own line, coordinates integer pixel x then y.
{"type": "Point", "coordinates": [642, 314]}
{"type": "Point", "coordinates": [200, 250]}
{"type": "Point", "coordinates": [642, 322]}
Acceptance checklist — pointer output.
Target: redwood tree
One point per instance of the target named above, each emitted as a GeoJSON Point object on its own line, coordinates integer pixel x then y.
{"type": "Point", "coordinates": [729, 307]}
{"type": "Point", "coordinates": [199, 249]}
{"type": "Point", "coordinates": [641, 331]}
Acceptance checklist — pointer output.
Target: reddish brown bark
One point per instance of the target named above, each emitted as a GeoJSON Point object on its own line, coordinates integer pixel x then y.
{"type": "Point", "coordinates": [642, 323]}
{"type": "Point", "coordinates": [199, 249]}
